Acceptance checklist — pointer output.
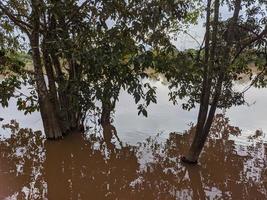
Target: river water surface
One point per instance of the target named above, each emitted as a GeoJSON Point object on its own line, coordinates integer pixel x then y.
{"type": "Point", "coordinates": [147, 165]}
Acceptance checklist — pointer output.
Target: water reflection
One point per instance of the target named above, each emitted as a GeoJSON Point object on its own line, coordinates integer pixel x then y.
{"type": "Point", "coordinates": [21, 158]}
{"type": "Point", "coordinates": [110, 132]}
{"type": "Point", "coordinates": [87, 167]}
{"type": "Point", "coordinates": [76, 169]}
{"type": "Point", "coordinates": [162, 117]}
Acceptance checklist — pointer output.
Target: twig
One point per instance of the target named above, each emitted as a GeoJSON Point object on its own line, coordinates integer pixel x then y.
{"type": "Point", "coordinates": [254, 80]}
{"type": "Point", "coordinates": [23, 25]}
{"type": "Point", "coordinates": [193, 38]}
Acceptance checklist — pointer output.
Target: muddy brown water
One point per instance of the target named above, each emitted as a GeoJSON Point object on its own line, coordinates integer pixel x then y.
{"type": "Point", "coordinates": [147, 165]}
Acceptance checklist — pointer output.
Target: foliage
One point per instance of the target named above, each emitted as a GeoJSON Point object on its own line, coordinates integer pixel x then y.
{"type": "Point", "coordinates": [12, 68]}
{"type": "Point", "coordinates": [113, 44]}
{"type": "Point", "coordinates": [185, 70]}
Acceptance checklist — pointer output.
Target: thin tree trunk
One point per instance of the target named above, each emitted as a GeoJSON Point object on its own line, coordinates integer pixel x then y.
{"type": "Point", "coordinates": [200, 139]}
{"type": "Point", "coordinates": [105, 114]}
{"type": "Point", "coordinates": [203, 120]}
{"type": "Point", "coordinates": [203, 109]}
{"type": "Point", "coordinates": [63, 95]}
{"type": "Point", "coordinates": [196, 148]}
{"type": "Point", "coordinates": [56, 94]}
{"type": "Point", "coordinates": [50, 75]}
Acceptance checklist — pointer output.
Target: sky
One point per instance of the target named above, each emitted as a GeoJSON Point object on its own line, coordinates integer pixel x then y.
{"type": "Point", "coordinates": [184, 41]}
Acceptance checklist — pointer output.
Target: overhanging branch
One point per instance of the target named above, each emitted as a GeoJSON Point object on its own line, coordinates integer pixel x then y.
{"type": "Point", "coordinates": [21, 24]}
{"type": "Point", "coordinates": [250, 42]}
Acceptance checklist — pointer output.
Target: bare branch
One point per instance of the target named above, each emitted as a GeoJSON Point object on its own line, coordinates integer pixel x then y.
{"type": "Point", "coordinates": [191, 36]}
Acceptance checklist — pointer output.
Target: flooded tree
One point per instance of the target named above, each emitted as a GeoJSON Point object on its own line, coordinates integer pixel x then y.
{"type": "Point", "coordinates": [225, 44]}
{"type": "Point", "coordinates": [120, 52]}
{"type": "Point", "coordinates": [27, 17]}
{"type": "Point", "coordinates": [88, 51]}
{"type": "Point", "coordinates": [83, 54]}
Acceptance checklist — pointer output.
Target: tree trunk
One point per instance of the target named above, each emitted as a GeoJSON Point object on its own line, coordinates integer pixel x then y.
{"type": "Point", "coordinates": [206, 84]}
{"type": "Point", "coordinates": [51, 126]}
{"type": "Point", "coordinates": [105, 114]}
{"type": "Point", "coordinates": [58, 94]}
{"type": "Point", "coordinates": [51, 123]}
{"type": "Point", "coordinates": [199, 140]}
{"type": "Point", "coordinates": [63, 95]}
{"type": "Point", "coordinates": [202, 134]}
{"type": "Point", "coordinates": [50, 75]}
{"type": "Point", "coordinates": [203, 122]}
{"type": "Point", "coordinates": [50, 120]}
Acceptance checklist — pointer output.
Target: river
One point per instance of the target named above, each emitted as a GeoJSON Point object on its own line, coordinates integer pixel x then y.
{"type": "Point", "coordinates": [147, 165]}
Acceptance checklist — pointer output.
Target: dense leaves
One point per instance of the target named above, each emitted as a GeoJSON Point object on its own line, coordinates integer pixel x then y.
{"type": "Point", "coordinates": [88, 51]}
{"type": "Point", "coordinates": [185, 70]}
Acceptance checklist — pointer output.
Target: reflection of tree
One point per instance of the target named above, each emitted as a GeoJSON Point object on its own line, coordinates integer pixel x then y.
{"type": "Point", "coordinates": [223, 173]}
{"type": "Point", "coordinates": [109, 132]}
{"type": "Point", "coordinates": [82, 167]}
{"type": "Point", "coordinates": [85, 172]}
{"type": "Point", "coordinates": [21, 158]}
{"type": "Point", "coordinates": [73, 168]}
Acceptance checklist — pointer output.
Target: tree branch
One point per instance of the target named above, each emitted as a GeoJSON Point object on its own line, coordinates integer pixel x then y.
{"type": "Point", "coordinates": [76, 11]}
{"type": "Point", "coordinates": [254, 80]}
{"type": "Point", "coordinates": [258, 37]}
{"type": "Point", "coordinates": [23, 25]}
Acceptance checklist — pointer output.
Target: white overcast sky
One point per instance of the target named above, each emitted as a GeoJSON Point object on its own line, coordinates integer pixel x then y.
{"type": "Point", "coordinates": [197, 31]}
{"type": "Point", "coordinates": [184, 41]}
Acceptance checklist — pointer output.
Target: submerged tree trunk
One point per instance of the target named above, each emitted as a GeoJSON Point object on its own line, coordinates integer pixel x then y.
{"type": "Point", "coordinates": [63, 95]}
{"type": "Point", "coordinates": [108, 129]}
{"type": "Point", "coordinates": [67, 90]}
{"type": "Point", "coordinates": [48, 112]}
{"type": "Point", "coordinates": [55, 92]}
{"type": "Point", "coordinates": [207, 114]}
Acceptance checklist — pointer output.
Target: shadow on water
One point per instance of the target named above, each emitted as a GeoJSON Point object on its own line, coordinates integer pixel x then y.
{"type": "Point", "coordinates": [85, 167]}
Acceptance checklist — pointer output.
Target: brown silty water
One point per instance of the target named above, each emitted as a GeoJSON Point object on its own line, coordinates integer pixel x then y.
{"type": "Point", "coordinates": [147, 164]}
{"type": "Point", "coordinates": [84, 167]}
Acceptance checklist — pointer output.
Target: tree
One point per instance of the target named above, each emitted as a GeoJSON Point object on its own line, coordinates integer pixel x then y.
{"type": "Point", "coordinates": [119, 49]}
{"type": "Point", "coordinates": [89, 51]}
{"type": "Point", "coordinates": [209, 78]}
{"type": "Point", "coordinates": [26, 16]}
{"type": "Point", "coordinates": [43, 22]}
